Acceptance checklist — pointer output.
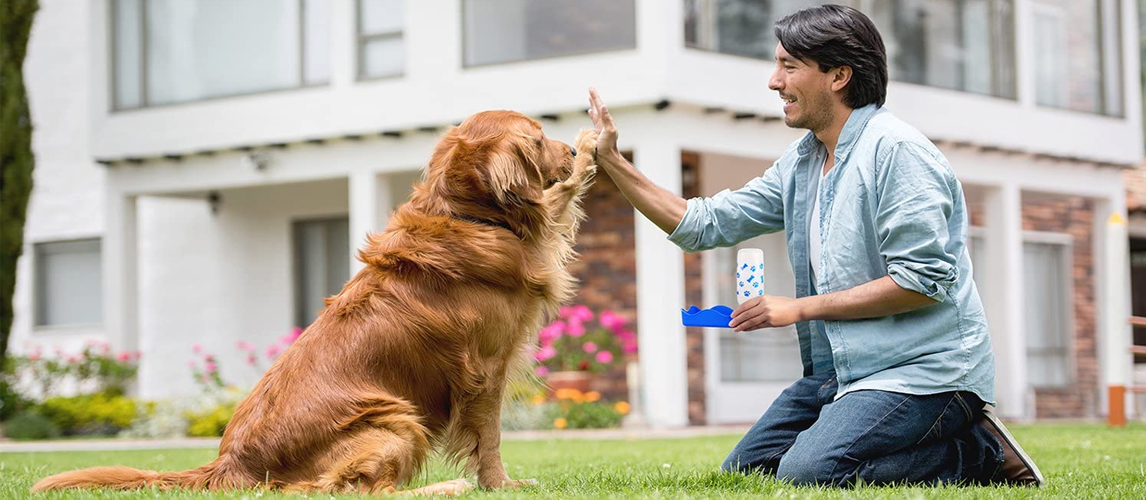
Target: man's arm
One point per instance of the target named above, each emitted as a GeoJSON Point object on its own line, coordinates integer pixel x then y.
{"type": "Point", "coordinates": [662, 207]}
{"type": "Point", "coordinates": [874, 299]}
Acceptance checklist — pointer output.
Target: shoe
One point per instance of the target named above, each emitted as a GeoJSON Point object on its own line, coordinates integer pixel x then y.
{"type": "Point", "coordinates": [1017, 467]}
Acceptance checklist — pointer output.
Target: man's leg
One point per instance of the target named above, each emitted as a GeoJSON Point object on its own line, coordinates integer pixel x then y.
{"type": "Point", "coordinates": [795, 410]}
{"type": "Point", "coordinates": [883, 437]}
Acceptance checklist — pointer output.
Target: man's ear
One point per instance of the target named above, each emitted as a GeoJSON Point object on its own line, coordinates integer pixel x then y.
{"type": "Point", "coordinates": [841, 76]}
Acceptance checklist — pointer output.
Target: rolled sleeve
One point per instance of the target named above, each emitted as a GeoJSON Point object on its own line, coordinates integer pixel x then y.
{"type": "Point", "coordinates": [913, 221]}
{"type": "Point", "coordinates": [730, 217]}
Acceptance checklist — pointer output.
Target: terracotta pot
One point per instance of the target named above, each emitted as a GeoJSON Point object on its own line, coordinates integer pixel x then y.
{"type": "Point", "coordinates": [579, 380]}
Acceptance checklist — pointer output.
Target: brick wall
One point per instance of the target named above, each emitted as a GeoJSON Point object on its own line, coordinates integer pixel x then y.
{"type": "Point", "coordinates": [1072, 216]}
{"type": "Point", "coordinates": [694, 290]}
{"type": "Point", "coordinates": [607, 266]}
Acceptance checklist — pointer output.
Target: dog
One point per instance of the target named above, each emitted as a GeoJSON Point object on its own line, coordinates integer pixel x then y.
{"type": "Point", "coordinates": [415, 352]}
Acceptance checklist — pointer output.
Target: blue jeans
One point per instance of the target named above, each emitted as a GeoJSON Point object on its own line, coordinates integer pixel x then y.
{"type": "Point", "coordinates": [876, 437]}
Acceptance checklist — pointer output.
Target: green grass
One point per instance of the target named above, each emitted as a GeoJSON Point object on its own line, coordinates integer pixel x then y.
{"type": "Point", "coordinates": [1080, 461]}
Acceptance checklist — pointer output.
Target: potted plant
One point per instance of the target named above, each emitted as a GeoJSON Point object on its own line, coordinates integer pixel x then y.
{"type": "Point", "coordinates": [579, 344]}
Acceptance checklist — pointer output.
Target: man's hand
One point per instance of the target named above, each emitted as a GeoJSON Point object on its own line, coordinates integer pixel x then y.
{"type": "Point", "coordinates": [766, 311]}
{"type": "Point", "coordinates": [603, 121]}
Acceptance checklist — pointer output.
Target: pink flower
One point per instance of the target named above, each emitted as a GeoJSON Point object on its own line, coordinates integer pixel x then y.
{"type": "Point", "coordinates": [583, 313]}
{"type": "Point", "coordinates": [244, 346]}
{"type": "Point", "coordinates": [273, 350]}
{"type": "Point", "coordinates": [211, 367]}
{"type": "Point", "coordinates": [73, 358]}
{"type": "Point", "coordinates": [136, 355]}
{"type": "Point", "coordinates": [196, 348]}
{"type": "Point", "coordinates": [629, 347]}
{"type": "Point", "coordinates": [295, 333]}
{"type": "Point", "coordinates": [575, 328]}
{"type": "Point", "coordinates": [542, 371]}
{"type": "Point", "coordinates": [545, 353]}
{"type": "Point", "coordinates": [251, 359]}
{"type": "Point", "coordinates": [604, 357]}
{"type": "Point", "coordinates": [554, 330]}
{"type": "Point", "coordinates": [589, 347]}
{"type": "Point", "coordinates": [565, 312]}
{"type": "Point", "coordinates": [123, 357]}
{"type": "Point", "coordinates": [35, 356]}
{"type": "Point", "coordinates": [612, 320]}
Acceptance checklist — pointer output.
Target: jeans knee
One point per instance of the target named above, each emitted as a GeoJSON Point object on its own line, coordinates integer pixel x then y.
{"type": "Point", "coordinates": [803, 470]}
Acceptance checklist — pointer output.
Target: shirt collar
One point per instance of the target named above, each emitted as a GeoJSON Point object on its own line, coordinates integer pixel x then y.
{"type": "Point", "coordinates": [857, 121]}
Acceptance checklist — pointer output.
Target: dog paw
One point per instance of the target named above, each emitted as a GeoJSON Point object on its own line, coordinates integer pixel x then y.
{"type": "Point", "coordinates": [587, 141]}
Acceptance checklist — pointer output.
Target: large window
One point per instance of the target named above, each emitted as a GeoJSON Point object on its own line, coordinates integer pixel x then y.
{"type": "Point", "coordinates": [322, 264]}
{"type": "Point", "coordinates": [1048, 300]}
{"type": "Point", "coordinates": [498, 31]}
{"type": "Point", "coordinates": [1077, 55]}
{"type": "Point", "coordinates": [171, 51]}
{"type": "Point", "coordinates": [381, 51]}
{"type": "Point", "coordinates": [956, 44]}
{"type": "Point", "coordinates": [68, 283]}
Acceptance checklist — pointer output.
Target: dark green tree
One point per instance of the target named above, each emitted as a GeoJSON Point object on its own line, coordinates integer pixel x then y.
{"type": "Point", "coordinates": [16, 161]}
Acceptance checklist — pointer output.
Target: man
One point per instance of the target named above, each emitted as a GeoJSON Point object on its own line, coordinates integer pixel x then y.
{"type": "Point", "coordinates": [897, 357]}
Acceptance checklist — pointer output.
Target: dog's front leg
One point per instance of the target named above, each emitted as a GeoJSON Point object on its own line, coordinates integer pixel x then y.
{"type": "Point", "coordinates": [561, 199]}
{"type": "Point", "coordinates": [484, 414]}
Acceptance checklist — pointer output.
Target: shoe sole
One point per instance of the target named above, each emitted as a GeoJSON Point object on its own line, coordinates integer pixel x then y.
{"type": "Point", "coordinates": [997, 424]}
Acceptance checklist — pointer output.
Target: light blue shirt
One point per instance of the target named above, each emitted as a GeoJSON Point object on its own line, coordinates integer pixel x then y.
{"type": "Point", "coordinates": [891, 206]}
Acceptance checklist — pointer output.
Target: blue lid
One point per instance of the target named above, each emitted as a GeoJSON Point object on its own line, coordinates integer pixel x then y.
{"type": "Point", "coordinates": [714, 317]}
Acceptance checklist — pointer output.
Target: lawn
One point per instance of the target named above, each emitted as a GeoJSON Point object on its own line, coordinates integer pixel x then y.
{"type": "Point", "coordinates": [1079, 461]}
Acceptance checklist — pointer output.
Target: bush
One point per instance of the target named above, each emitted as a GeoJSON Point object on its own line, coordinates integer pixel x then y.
{"type": "Point", "coordinates": [11, 402]}
{"type": "Point", "coordinates": [211, 423]}
{"type": "Point", "coordinates": [92, 414]}
{"type": "Point", "coordinates": [28, 425]}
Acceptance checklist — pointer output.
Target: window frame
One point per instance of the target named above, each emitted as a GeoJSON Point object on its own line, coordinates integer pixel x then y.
{"type": "Point", "coordinates": [35, 251]}
{"type": "Point", "coordinates": [463, 31]}
{"type": "Point", "coordinates": [296, 262]}
{"type": "Point", "coordinates": [361, 39]}
{"type": "Point", "coordinates": [863, 6]}
{"type": "Point", "coordinates": [1104, 59]}
{"type": "Point", "coordinates": [113, 65]}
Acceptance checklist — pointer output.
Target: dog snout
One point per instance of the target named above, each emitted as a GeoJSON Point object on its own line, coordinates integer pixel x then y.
{"type": "Point", "coordinates": [573, 150]}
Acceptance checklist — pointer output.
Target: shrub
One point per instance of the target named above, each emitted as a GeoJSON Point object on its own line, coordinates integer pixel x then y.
{"type": "Point", "coordinates": [28, 425]}
{"type": "Point", "coordinates": [211, 423]}
{"type": "Point", "coordinates": [100, 413]}
{"type": "Point", "coordinates": [11, 401]}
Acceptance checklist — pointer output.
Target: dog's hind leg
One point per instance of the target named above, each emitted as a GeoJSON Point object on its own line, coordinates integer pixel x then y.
{"type": "Point", "coordinates": [385, 445]}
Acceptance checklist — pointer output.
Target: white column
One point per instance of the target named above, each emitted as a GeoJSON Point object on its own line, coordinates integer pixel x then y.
{"type": "Point", "coordinates": [660, 295]}
{"type": "Point", "coordinates": [370, 206]}
{"type": "Point", "coordinates": [1112, 273]}
{"type": "Point", "coordinates": [119, 253]}
{"type": "Point", "coordinates": [1003, 299]}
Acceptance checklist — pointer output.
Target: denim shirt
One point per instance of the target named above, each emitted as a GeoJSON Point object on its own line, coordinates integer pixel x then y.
{"type": "Point", "coordinates": [891, 206]}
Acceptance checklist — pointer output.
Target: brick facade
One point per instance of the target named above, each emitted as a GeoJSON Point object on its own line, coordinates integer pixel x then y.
{"type": "Point", "coordinates": [1072, 216]}
{"type": "Point", "coordinates": [694, 294]}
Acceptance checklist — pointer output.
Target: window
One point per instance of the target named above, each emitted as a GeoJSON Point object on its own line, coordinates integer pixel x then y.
{"type": "Point", "coordinates": [963, 45]}
{"type": "Point", "coordinates": [1077, 55]}
{"type": "Point", "coordinates": [498, 31]}
{"type": "Point", "coordinates": [1049, 297]}
{"type": "Point", "coordinates": [68, 283]}
{"type": "Point", "coordinates": [322, 264]}
{"type": "Point", "coordinates": [381, 50]}
{"type": "Point", "coordinates": [765, 355]}
{"type": "Point", "coordinates": [172, 51]}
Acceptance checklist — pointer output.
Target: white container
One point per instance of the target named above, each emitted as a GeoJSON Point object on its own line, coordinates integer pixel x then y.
{"type": "Point", "coordinates": [749, 274]}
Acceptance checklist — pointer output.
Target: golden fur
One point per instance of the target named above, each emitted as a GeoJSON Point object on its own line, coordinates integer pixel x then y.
{"type": "Point", "coordinates": [415, 351]}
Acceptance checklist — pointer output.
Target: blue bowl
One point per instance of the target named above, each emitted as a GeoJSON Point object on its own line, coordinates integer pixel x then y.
{"type": "Point", "coordinates": [714, 317]}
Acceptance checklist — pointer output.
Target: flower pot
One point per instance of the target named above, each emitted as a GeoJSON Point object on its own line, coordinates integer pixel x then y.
{"type": "Point", "coordinates": [579, 380]}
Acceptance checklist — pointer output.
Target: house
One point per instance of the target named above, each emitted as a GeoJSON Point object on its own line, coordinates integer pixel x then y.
{"type": "Point", "coordinates": [205, 170]}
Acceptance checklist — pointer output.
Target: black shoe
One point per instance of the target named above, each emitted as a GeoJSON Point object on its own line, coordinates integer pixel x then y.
{"type": "Point", "coordinates": [1017, 467]}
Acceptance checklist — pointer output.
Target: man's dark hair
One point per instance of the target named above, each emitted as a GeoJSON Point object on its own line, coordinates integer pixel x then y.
{"type": "Point", "coordinates": [834, 36]}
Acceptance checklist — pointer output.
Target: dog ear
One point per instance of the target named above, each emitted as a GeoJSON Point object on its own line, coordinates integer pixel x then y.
{"type": "Point", "coordinates": [512, 173]}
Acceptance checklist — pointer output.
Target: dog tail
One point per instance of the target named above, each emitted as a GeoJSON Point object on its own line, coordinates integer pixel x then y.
{"type": "Point", "coordinates": [207, 477]}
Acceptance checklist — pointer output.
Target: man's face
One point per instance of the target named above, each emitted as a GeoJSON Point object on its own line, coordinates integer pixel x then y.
{"type": "Point", "coordinates": [806, 91]}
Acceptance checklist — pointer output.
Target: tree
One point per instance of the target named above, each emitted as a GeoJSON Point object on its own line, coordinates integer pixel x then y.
{"type": "Point", "coordinates": [16, 161]}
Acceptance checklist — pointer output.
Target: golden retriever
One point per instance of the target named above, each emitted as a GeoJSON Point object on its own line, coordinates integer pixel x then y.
{"type": "Point", "coordinates": [415, 351]}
